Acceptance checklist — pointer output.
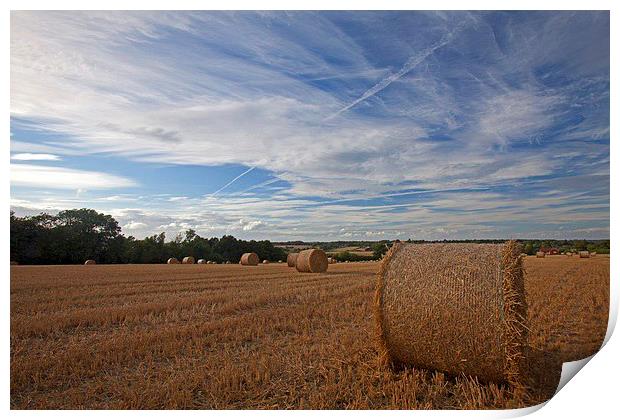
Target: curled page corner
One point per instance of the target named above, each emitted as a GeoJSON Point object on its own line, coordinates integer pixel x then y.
{"type": "Point", "coordinates": [569, 370]}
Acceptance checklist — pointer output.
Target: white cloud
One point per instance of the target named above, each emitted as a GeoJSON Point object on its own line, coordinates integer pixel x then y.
{"type": "Point", "coordinates": [134, 225]}
{"type": "Point", "coordinates": [34, 156]}
{"type": "Point", "coordinates": [251, 225]}
{"type": "Point", "coordinates": [63, 178]}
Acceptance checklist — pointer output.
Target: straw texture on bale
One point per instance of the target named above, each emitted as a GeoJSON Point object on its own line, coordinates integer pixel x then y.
{"type": "Point", "coordinates": [311, 261]}
{"type": "Point", "coordinates": [172, 261]}
{"type": "Point", "coordinates": [90, 262]}
{"type": "Point", "coordinates": [249, 258]}
{"type": "Point", "coordinates": [189, 260]}
{"type": "Point", "coordinates": [201, 261]}
{"type": "Point", "coordinates": [455, 308]}
{"type": "Point", "coordinates": [291, 259]}
{"type": "Point", "coordinates": [584, 254]}
{"type": "Point", "coordinates": [540, 254]}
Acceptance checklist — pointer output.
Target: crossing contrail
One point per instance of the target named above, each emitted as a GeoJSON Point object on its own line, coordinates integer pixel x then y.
{"type": "Point", "coordinates": [412, 63]}
{"type": "Point", "coordinates": [234, 179]}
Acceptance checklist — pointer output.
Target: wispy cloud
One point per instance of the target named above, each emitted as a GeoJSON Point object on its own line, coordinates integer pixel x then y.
{"type": "Point", "coordinates": [34, 156]}
{"type": "Point", "coordinates": [64, 178]}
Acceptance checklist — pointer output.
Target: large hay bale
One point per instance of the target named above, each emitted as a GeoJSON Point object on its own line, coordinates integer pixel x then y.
{"type": "Point", "coordinates": [90, 262]}
{"type": "Point", "coordinates": [291, 259]}
{"type": "Point", "coordinates": [188, 260]}
{"type": "Point", "coordinates": [455, 308]}
{"type": "Point", "coordinates": [249, 258]}
{"type": "Point", "coordinates": [172, 261]}
{"type": "Point", "coordinates": [311, 261]}
{"type": "Point", "coordinates": [202, 261]}
{"type": "Point", "coordinates": [584, 254]}
{"type": "Point", "coordinates": [540, 254]}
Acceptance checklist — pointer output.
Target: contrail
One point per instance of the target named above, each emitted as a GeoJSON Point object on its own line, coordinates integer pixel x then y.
{"type": "Point", "coordinates": [231, 182]}
{"type": "Point", "coordinates": [412, 63]}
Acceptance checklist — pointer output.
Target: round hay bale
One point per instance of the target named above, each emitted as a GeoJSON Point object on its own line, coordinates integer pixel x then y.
{"type": "Point", "coordinates": [584, 254]}
{"type": "Point", "coordinates": [311, 261]}
{"type": "Point", "coordinates": [540, 254]}
{"type": "Point", "coordinates": [568, 254]}
{"type": "Point", "coordinates": [172, 261]}
{"type": "Point", "coordinates": [291, 259]}
{"type": "Point", "coordinates": [249, 258]}
{"type": "Point", "coordinates": [189, 260]}
{"type": "Point", "coordinates": [455, 308]}
{"type": "Point", "coordinates": [90, 262]}
{"type": "Point", "coordinates": [280, 261]}
{"type": "Point", "coordinates": [227, 262]}
{"type": "Point", "coordinates": [330, 260]}
{"type": "Point", "coordinates": [14, 263]}
{"type": "Point", "coordinates": [201, 261]}
{"type": "Point", "coordinates": [592, 254]}
{"type": "Point", "coordinates": [265, 261]}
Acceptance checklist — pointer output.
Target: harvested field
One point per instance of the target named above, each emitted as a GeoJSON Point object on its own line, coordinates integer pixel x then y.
{"type": "Point", "coordinates": [230, 336]}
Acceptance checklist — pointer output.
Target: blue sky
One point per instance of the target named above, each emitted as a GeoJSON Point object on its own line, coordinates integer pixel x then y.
{"type": "Point", "coordinates": [315, 126]}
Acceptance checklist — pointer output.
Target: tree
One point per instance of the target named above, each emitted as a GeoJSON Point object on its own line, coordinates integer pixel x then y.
{"type": "Point", "coordinates": [379, 250]}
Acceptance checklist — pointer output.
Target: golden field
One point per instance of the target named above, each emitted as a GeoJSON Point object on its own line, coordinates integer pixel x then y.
{"type": "Point", "coordinates": [230, 336]}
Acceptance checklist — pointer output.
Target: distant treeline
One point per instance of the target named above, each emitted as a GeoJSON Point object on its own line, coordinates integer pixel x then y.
{"type": "Point", "coordinates": [73, 236]}
{"type": "Point", "coordinates": [530, 246]}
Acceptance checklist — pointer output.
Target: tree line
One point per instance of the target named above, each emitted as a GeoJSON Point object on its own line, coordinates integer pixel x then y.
{"type": "Point", "coordinates": [73, 236]}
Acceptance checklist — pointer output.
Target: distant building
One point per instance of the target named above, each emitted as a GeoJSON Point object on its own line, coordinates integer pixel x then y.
{"type": "Point", "coordinates": [550, 251]}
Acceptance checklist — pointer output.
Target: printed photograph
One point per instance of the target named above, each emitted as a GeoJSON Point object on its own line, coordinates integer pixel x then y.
{"type": "Point", "coordinates": [306, 210]}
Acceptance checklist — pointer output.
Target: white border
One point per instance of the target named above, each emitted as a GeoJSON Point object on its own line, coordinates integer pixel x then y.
{"type": "Point", "coordinates": [593, 393]}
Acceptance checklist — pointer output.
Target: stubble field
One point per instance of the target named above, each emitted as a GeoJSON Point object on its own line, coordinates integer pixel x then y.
{"type": "Point", "coordinates": [229, 336]}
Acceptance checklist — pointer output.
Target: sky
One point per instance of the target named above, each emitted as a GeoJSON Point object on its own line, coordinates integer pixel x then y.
{"type": "Point", "coordinates": [315, 125]}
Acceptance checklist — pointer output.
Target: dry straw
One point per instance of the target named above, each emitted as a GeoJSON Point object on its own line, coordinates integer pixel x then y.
{"type": "Point", "coordinates": [172, 261]}
{"type": "Point", "coordinates": [540, 254]}
{"type": "Point", "coordinates": [584, 254]}
{"type": "Point", "coordinates": [455, 308]}
{"type": "Point", "coordinates": [249, 258]}
{"type": "Point", "coordinates": [90, 262]}
{"type": "Point", "coordinates": [291, 258]}
{"type": "Point", "coordinates": [311, 261]}
{"type": "Point", "coordinates": [188, 260]}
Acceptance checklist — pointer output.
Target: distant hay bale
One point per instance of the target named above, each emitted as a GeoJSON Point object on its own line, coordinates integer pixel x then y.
{"type": "Point", "coordinates": [227, 262]}
{"type": "Point", "coordinates": [291, 258]}
{"type": "Point", "coordinates": [311, 261]}
{"type": "Point", "coordinates": [540, 254]}
{"type": "Point", "coordinates": [455, 308]}
{"type": "Point", "coordinates": [265, 261]}
{"type": "Point", "coordinates": [584, 254]}
{"type": "Point", "coordinates": [14, 263]}
{"type": "Point", "coordinates": [201, 261]}
{"type": "Point", "coordinates": [569, 254]}
{"type": "Point", "coordinates": [280, 261]}
{"type": "Point", "coordinates": [330, 260]}
{"type": "Point", "coordinates": [592, 254]}
{"type": "Point", "coordinates": [189, 260]}
{"type": "Point", "coordinates": [172, 261]}
{"type": "Point", "coordinates": [90, 262]}
{"type": "Point", "coordinates": [249, 258]}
